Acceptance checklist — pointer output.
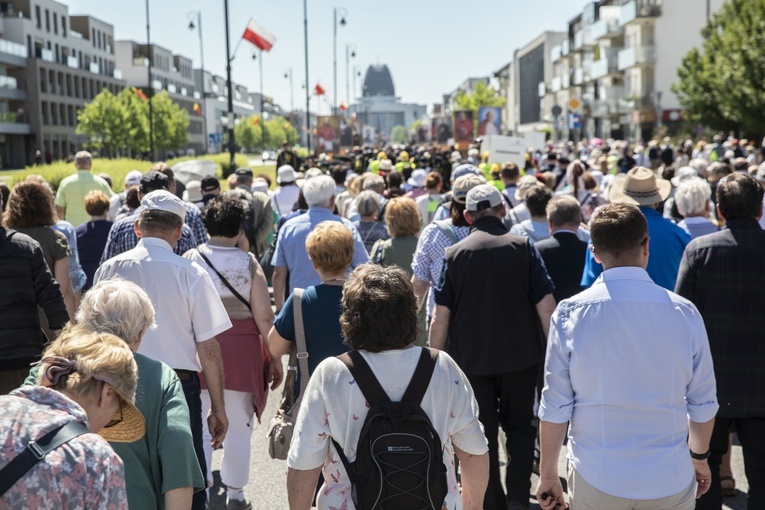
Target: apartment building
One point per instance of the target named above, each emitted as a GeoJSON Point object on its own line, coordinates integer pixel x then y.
{"type": "Point", "coordinates": [532, 71]}
{"type": "Point", "coordinates": [52, 64]}
{"type": "Point", "coordinates": [506, 82]}
{"type": "Point", "coordinates": [171, 73]}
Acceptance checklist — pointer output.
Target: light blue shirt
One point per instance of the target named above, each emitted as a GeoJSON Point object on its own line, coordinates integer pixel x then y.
{"type": "Point", "coordinates": [628, 364]}
{"type": "Point", "coordinates": [290, 246]}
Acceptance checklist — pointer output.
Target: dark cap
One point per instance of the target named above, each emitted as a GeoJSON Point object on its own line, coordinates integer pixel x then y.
{"type": "Point", "coordinates": [209, 183]}
{"type": "Point", "coordinates": [152, 181]}
{"type": "Point", "coordinates": [243, 172]}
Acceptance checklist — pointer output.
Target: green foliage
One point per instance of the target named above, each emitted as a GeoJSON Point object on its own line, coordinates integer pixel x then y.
{"type": "Point", "coordinates": [250, 135]}
{"type": "Point", "coordinates": [399, 135]}
{"type": "Point", "coordinates": [482, 95]}
{"type": "Point", "coordinates": [119, 125]}
{"type": "Point", "coordinates": [721, 85]}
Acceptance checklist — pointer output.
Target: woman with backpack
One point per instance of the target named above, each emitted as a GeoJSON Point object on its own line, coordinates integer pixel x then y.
{"type": "Point", "coordinates": [348, 394]}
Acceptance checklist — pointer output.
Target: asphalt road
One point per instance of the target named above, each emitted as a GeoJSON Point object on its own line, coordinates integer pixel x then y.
{"type": "Point", "coordinates": [267, 486]}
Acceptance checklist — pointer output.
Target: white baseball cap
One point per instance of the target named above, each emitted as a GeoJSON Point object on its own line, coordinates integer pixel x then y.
{"type": "Point", "coordinates": [133, 178]}
{"type": "Point", "coordinates": [161, 200]}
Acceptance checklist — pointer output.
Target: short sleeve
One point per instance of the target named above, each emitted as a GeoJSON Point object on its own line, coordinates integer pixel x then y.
{"type": "Point", "coordinates": [61, 196]}
{"type": "Point", "coordinates": [541, 284]}
{"type": "Point", "coordinates": [310, 442]}
{"type": "Point", "coordinates": [208, 315]}
{"type": "Point", "coordinates": [464, 428]}
{"type": "Point", "coordinates": [280, 257]}
{"type": "Point", "coordinates": [444, 293]}
{"type": "Point", "coordinates": [285, 321]}
{"type": "Point", "coordinates": [421, 259]}
{"type": "Point", "coordinates": [61, 249]}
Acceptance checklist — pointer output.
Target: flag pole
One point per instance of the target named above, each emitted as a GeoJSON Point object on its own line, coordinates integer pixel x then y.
{"type": "Point", "coordinates": [230, 123]}
{"type": "Point", "coordinates": [307, 81]}
{"type": "Point", "coordinates": [262, 119]}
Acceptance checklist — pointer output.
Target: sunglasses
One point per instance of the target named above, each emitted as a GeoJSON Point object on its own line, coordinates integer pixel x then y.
{"type": "Point", "coordinates": [116, 421]}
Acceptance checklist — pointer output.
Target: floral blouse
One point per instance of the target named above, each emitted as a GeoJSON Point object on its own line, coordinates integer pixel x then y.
{"type": "Point", "coordinates": [84, 473]}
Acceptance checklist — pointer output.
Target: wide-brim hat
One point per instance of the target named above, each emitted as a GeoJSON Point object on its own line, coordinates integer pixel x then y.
{"type": "Point", "coordinates": [526, 184]}
{"type": "Point", "coordinates": [132, 425]}
{"type": "Point", "coordinates": [639, 186]}
{"type": "Point", "coordinates": [418, 178]}
{"type": "Point", "coordinates": [285, 173]}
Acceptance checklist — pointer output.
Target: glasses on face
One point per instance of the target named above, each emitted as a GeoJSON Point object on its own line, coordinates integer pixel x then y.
{"type": "Point", "coordinates": [116, 420]}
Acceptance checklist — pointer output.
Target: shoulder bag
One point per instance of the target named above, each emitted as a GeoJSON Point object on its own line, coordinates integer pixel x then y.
{"type": "Point", "coordinates": [282, 426]}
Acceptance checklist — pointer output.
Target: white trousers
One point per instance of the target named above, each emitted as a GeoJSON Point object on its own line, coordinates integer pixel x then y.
{"type": "Point", "coordinates": [235, 467]}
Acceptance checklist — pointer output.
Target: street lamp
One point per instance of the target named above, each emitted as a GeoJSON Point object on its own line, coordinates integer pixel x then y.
{"type": "Point", "coordinates": [151, 85]}
{"type": "Point", "coordinates": [343, 13]}
{"type": "Point", "coordinates": [350, 52]}
{"type": "Point", "coordinates": [230, 123]}
{"type": "Point", "coordinates": [307, 89]}
{"type": "Point", "coordinates": [192, 26]}
{"type": "Point", "coordinates": [262, 115]}
{"type": "Point", "coordinates": [288, 75]}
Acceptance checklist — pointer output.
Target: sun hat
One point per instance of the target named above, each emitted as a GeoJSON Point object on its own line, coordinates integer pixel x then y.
{"type": "Point", "coordinates": [483, 197]}
{"type": "Point", "coordinates": [260, 184]}
{"type": "Point", "coordinates": [638, 187]}
{"type": "Point", "coordinates": [285, 174]}
{"type": "Point", "coordinates": [162, 200]}
{"type": "Point", "coordinates": [386, 165]}
{"type": "Point", "coordinates": [463, 185]}
{"type": "Point", "coordinates": [418, 178]}
{"type": "Point", "coordinates": [526, 184]}
{"type": "Point", "coordinates": [193, 191]}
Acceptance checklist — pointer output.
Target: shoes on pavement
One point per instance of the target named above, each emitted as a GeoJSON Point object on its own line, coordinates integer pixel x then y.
{"type": "Point", "coordinates": [238, 504]}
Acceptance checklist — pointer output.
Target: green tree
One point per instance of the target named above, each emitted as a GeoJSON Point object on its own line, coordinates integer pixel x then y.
{"type": "Point", "coordinates": [102, 121]}
{"type": "Point", "coordinates": [482, 95]}
{"type": "Point", "coordinates": [136, 123]}
{"type": "Point", "coordinates": [399, 135]}
{"type": "Point", "coordinates": [721, 84]}
{"type": "Point", "coordinates": [171, 123]}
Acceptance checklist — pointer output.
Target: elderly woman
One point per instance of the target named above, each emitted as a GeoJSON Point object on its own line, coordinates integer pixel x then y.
{"type": "Point", "coordinates": [242, 287]}
{"type": "Point", "coordinates": [30, 211]}
{"type": "Point", "coordinates": [370, 229]}
{"type": "Point", "coordinates": [330, 248]}
{"type": "Point", "coordinates": [86, 379]}
{"type": "Point", "coordinates": [161, 469]}
{"type": "Point", "coordinates": [692, 199]}
{"type": "Point", "coordinates": [335, 408]}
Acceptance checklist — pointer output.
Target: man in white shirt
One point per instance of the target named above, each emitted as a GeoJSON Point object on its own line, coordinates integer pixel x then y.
{"type": "Point", "coordinates": [188, 312]}
{"type": "Point", "coordinates": [629, 366]}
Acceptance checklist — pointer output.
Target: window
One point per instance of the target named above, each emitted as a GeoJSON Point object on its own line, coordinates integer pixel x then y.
{"type": "Point", "coordinates": [63, 25]}
{"type": "Point", "coordinates": [53, 114]}
{"type": "Point", "coordinates": [38, 18]}
{"type": "Point", "coordinates": [62, 116]}
{"type": "Point", "coordinates": [43, 81]}
{"type": "Point", "coordinates": [45, 113]}
{"type": "Point", "coordinates": [72, 117]}
{"type": "Point", "coordinates": [47, 20]}
{"type": "Point", "coordinates": [55, 23]}
{"type": "Point", "coordinates": [93, 36]}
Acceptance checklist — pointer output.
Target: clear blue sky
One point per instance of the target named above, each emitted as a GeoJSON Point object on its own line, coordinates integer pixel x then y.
{"type": "Point", "coordinates": [430, 46]}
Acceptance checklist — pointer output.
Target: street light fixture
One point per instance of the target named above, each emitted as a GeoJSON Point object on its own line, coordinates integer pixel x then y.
{"type": "Point", "coordinates": [343, 13]}
{"type": "Point", "coordinates": [192, 26]}
{"type": "Point", "coordinates": [288, 75]}
{"type": "Point", "coordinates": [350, 52]}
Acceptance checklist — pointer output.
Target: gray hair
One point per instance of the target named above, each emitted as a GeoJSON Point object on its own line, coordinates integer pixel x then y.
{"type": "Point", "coordinates": [692, 197]}
{"type": "Point", "coordinates": [368, 203]}
{"type": "Point", "coordinates": [563, 210]}
{"type": "Point", "coordinates": [82, 159]}
{"type": "Point", "coordinates": [118, 307]}
{"type": "Point", "coordinates": [375, 183]}
{"type": "Point", "coordinates": [318, 192]}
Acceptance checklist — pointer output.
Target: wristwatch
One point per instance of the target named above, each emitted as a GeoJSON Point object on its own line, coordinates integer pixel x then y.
{"type": "Point", "coordinates": [699, 456]}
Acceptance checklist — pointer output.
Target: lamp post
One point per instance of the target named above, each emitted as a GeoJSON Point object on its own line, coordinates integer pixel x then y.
{"type": "Point", "coordinates": [151, 84]}
{"type": "Point", "coordinates": [198, 26]}
{"type": "Point", "coordinates": [343, 13]}
{"type": "Point", "coordinates": [350, 52]}
{"type": "Point", "coordinates": [307, 87]}
{"type": "Point", "coordinates": [288, 75]}
{"type": "Point", "coordinates": [230, 123]}
{"type": "Point", "coordinates": [262, 114]}
{"type": "Point", "coordinates": [659, 112]}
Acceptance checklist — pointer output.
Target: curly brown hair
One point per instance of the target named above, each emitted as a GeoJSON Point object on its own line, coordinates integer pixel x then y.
{"type": "Point", "coordinates": [29, 205]}
{"type": "Point", "coordinates": [379, 309]}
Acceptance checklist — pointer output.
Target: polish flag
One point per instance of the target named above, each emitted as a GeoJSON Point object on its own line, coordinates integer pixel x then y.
{"type": "Point", "coordinates": [259, 36]}
{"type": "Point", "coordinates": [319, 89]}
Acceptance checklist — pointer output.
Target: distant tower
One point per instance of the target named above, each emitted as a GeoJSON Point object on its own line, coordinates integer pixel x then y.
{"type": "Point", "coordinates": [378, 82]}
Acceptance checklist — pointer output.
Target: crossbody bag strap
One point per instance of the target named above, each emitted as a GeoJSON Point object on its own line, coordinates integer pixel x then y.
{"type": "Point", "coordinates": [35, 451]}
{"type": "Point", "coordinates": [223, 280]}
{"type": "Point", "coordinates": [302, 352]}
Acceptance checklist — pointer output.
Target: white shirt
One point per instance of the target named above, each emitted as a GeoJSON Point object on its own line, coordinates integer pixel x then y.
{"type": "Point", "coordinates": [284, 198]}
{"type": "Point", "coordinates": [628, 363]}
{"type": "Point", "coordinates": [335, 407]}
{"type": "Point", "coordinates": [187, 309]}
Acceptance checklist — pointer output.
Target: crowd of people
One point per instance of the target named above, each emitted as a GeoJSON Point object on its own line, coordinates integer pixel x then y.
{"type": "Point", "coordinates": [603, 295]}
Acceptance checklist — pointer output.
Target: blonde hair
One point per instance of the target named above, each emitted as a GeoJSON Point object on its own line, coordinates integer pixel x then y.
{"type": "Point", "coordinates": [96, 202]}
{"type": "Point", "coordinates": [402, 217]}
{"type": "Point", "coordinates": [330, 246]}
{"type": "Point", "coordinates": [97, 357]}
{"type": "Point", "coordinates": [118, 307]}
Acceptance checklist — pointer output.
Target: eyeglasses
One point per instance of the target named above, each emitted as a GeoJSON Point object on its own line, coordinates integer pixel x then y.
{"type": "Point", "coordinates": [116, 421]}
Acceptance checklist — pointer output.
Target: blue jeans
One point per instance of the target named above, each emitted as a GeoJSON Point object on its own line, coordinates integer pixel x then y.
{"type": "Point", "coordinates": [192, 392]}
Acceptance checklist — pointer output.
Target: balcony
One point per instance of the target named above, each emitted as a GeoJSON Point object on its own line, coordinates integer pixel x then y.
{"type": "Point", "coordinates": [565, 48]}
{"type": "Point", "coordinates": [583, 39]}
{"type": "Point", "coordinates": [94, 68]}
{"type": "Point", "coordinates": [605, 28]}
{"type": "Point", "coordinates": [639, 9]}
{"type": "Point", "coordinates": [542, 89]}
{"type": "Point", "coordinates": [12, 53]}
{"type": "Point", "coordinates": [47, 55]}
{"type": "Point", "coordinates": [565, 82]}
{"type": "Point", "coordinates": [171, 88]}
{"type": "Point", "coordinates": [636, 56]}
{"type": "Point", "coordinates": [117, 74]}
{"type": "Point", "coordinates": [140, 62]}
{"type": "Point", "coordinates": [11, 89]}
{"type": "Point", "coordinates": [197, 95]}
{"type": "Point", "coordinates": [607, 65]}
{"type": "Point", "coordinates": [578, 76]}
{"type": "Point", "coordinates": [555, 84]}
{"type": "Point", "coordinates": [184, 91]}
{"type": "Point", "coordinates": [12, 123]}
{"type": "Point", "coordinates": [156, 84]}
{"type": "Point", "coordinates": [555, 53]}
{"type": "Point", "coordinates": [71, 61]}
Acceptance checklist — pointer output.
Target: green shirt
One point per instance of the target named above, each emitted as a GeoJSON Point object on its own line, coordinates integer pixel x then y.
{"type": "Point", "coordinates": [397, 251]}
{"type": "Point", "coordinates": [164, 459]}
{"type": "Point", "coordinates": [71, 195]}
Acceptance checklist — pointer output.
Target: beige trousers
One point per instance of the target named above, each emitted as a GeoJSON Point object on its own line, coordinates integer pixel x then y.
{"type": "Point", "coordinates": [583, 496]}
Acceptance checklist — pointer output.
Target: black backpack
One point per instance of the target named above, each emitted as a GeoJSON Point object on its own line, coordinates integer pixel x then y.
{"type": "Point", "coordinates": [399, 462]}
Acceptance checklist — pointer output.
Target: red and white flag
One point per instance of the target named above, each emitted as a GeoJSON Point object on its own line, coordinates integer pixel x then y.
{"type": "Point", "coordinates": [259, 36]}
{"type": "Point", "coordinates": [319, 89]}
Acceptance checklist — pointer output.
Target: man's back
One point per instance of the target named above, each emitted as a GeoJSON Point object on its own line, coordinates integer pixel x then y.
{"type": "Point", "coordinates": [71, 194]}
{"type": "Point", "coordinates": [563, 254]}
{"type": "Point", "coordinates": [633, 360]}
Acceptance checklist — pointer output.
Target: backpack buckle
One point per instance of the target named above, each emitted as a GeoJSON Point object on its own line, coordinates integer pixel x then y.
{"type": "Point", "coordinates": [36, 450]}
{"type": "Point", "coordinates": [302, 355]}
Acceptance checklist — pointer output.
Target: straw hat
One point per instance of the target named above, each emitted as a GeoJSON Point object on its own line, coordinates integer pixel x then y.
{"type": "Point", "coordinates": [639, 186]}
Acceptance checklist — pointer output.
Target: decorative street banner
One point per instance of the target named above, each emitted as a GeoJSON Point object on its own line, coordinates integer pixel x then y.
{"type": "Point", "coordinates": [350, 132]}
{"type": "Point", "coordinates": [328, 133]}
{"type": "Point", "coordinates": [489, 121]}
{"type": "Point", "coordinates": [442, 129]}
{"type": "Point", "coordinates": [463, 126]}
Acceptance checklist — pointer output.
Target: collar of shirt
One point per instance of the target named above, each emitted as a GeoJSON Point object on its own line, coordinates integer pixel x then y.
{"type": "Point", "coordinates": [737, 223]}
{"type": "Point", "coordinates": [53, 399]}
{"type": "Point", "coordinates": [319, 211]}
{"type": "Point", "coordinates": [565, 231]}
{"type": "Point", "coordinates": [650, 211]}
{"type": "Point", "coordinates": [696, 220]}
{"type": "Point", "coordinates": [154, 242]}
{"type": "Point", "coordinates": [489, 224]}
{"type": "Point", "coordinates": [84, 172]}
{"type": "Point", "coordinates": [623, 273]}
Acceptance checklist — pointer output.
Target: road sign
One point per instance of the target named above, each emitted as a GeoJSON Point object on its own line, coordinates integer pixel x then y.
{"type": "Point", "coordinates": [574, 121]}
{"type": "Point", "coordinates": [574, 104]}
{"type": "Point", "coordinates": [215, 137]}
{"type": "Point", "coordinates": [556, 110]}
